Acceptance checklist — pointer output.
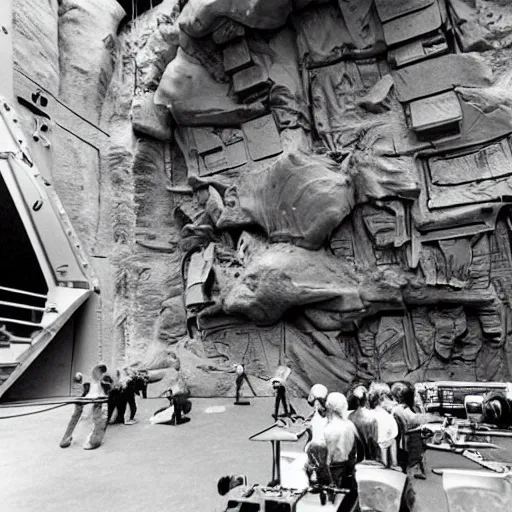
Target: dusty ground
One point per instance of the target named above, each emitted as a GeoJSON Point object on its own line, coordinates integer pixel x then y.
{"type": "Point", "coordinates": [148, 467]}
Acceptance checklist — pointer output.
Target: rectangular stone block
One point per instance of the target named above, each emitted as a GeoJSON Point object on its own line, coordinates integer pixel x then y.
{"type": "Point", "coordinates": [207, 141]}
{"type": "Point", "coordinates": [249, 80]}
{"type": "Point", "coordinates": [412, 25]}
{"type": "Point", "coordinates": [434, 112]}
{"type": "Point", "coordinates": [440, 74]}
{"type": "Point", "coordinates": [476, 192]}
{"type": "Point", "coordinates": [262, 138]}
{"type": "Point", "coordinates": [416, 51]}
{"type": "Point", "coordinates": [218, 149]}
{"type": "Point", "coordinates": [382, 227]}
{"type": "Point", "coordinates": [390, 9]}
{"type": "Point", "coordinates": [236, 56]}
{"type": "Point", "coordinates": [229, 157]}
{"type": "Point", "coordinates": [494, 161]}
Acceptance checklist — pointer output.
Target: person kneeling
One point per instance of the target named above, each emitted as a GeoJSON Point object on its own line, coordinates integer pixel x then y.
{"type": "Point", "coordinates": [175, 413]}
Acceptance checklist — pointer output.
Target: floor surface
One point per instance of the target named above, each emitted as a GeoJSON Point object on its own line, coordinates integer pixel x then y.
{"type": "Point", "coordinates": [146, 467]}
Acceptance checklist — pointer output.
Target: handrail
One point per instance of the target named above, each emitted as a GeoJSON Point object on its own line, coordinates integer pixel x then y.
{"type": "Point", "coordinates": [23, 292]}
{"type": "Point", "coordinates": [21, 306]}
{"type": "Point", "coordinates": [20, 322]}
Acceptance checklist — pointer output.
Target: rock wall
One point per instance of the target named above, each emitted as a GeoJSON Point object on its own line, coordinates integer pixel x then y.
{"type": "Point", "coordinates": [336, 200]}
{"type": "Point", "coordinates": [64, 58]}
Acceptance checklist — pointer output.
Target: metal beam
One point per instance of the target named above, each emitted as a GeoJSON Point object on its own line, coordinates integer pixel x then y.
{"type": "Point", "coordinates": [21, 306]}
{"type": "Point", "coordinates": [20, 322]}
{"type": "Point", "coordinates": [23, 292]}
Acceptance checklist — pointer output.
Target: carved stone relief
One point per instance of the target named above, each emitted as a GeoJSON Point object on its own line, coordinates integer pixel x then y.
{"type": "Point", "coordinates": [348, 180]}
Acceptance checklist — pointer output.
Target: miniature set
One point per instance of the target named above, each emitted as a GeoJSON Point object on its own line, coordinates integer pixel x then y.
{"type": "Point", "coordinates": [254, 198]}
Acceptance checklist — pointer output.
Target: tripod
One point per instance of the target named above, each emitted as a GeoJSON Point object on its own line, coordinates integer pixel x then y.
{"type": "Point", "coordinates": [240, 379]}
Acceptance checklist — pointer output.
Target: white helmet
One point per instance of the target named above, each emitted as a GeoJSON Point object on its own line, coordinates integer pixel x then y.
{"type": "Point", "coordinates": [318, 392]}
{"type": "Point", "coordinates": [337, 403]}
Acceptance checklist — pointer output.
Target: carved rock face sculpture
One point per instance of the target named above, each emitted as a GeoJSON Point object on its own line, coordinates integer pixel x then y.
{"type": "Point", "coordinates": [354, 178]}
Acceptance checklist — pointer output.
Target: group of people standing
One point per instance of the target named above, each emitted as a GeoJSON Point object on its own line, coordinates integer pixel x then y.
{"type": "Point", "coordinates": [369, 424]}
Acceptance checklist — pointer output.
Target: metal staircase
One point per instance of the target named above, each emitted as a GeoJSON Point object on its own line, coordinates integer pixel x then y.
{"type": "Point", "coordinates": [44, 276]}
{"type": "Point", "coordinates": [21, 313]}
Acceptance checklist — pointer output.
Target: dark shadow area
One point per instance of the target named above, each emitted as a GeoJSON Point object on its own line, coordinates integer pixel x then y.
{"type": "Point", "coordinates": [134, 8]}
{"type": "Point", "coordinates": [50, 375]}
{"type": "Point", "coordinates": [19, 269]}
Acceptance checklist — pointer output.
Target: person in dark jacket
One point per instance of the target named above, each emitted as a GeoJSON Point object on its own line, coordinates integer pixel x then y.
{"type": "Point", "coordinates": [364, 421]}
{"type": "Point", "coordinates": [411, 446]}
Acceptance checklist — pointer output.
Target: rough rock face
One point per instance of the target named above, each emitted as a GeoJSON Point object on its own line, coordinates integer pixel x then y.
{"type": "Point", "coordinates": [280, 276]}
{"type": "Point", "coordinates": [200, 18]}
{"type": "Point", "coordinates": [300, 199]}
{"type": "Point", "coordinates": [323, 184]}
{"type": "Point", "coordinates": [182, 89]}
{"type": "Point", "coordinates": [36, 35]}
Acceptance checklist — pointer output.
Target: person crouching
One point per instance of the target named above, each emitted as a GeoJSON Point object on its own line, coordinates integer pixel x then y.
{"type": "Point", "coordinates": [179, 406]}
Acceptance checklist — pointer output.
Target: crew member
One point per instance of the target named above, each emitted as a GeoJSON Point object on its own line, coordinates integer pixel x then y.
{"type": "Point", "coordinates": [279, 386]}
{"type": "Point", "coordinates": [365, 422]}
{"type": "Point", "coordinates": [411, 445]}
{"type": "Point", "coordinates": [383, 392]}
{"type": "Point", "coordinates": [387, 427]}
{"type": "Point", "coordinates": [316, 448]}
{"type": "Point", "coordinates": [241, 377]}
{"type": "Point", "coordinates": [340, 437]}
{"type": "Point", "coordinates": [179, 406]}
